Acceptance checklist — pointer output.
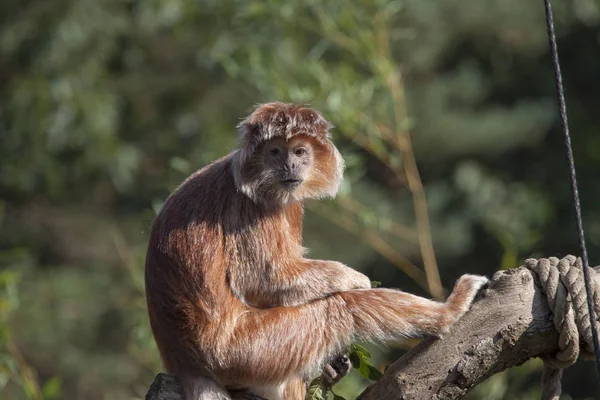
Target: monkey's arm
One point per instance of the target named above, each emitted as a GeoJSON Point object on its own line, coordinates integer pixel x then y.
{"type": "Point", "coordinates": [306, 334]}
{"type": "Point", "coordinates": [300, 282]}
{"type": "Point", "coordinates": [330, 277]}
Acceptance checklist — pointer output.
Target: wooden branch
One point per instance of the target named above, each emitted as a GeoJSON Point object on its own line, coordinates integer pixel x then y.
{"type": "Point", "coordinates": [508, 324]}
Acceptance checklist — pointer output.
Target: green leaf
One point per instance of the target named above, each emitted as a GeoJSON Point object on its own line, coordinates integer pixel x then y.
{"type": "Point", "coordinates": [360, 350]}
{"type": "Point", "coordinates": [359, 357]}
{"type": "Point", "coordinates": [316, 390]}
{"type": "Point", "coordinates": [336, 397]}
{"type": "Point", "coordinates": [374, 373]}
{"type": "Point", "coordinates": [375, 284]}
{"type": "Point", "coordinates": [354, 360]}
{"type": "Point", "coordinates": [363, 369]}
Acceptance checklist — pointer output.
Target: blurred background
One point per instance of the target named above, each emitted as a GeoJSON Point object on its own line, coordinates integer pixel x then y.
{"type": "Point", "coordinates": [444, 111]}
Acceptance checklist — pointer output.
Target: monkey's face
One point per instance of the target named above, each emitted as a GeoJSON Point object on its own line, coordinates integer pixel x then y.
{"type": "Point", "coordinates": [288, 163]}
{"type": "Point", "coordinates": [286, 155]}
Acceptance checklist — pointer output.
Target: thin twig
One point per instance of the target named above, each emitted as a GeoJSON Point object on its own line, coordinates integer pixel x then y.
{"type": "Point", "coordinates": [26, 371]}
{"type": "Point", "coordinates": [404, 144]}
{"type": "Point", "coordinates": [127, 258]}
{"type": "Point", "coordinates": [394, 228]}
{"type": "Point", "coordinates": [385, 67]}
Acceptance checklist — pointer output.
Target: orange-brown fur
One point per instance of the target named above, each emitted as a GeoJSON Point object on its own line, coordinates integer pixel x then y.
{"type": "Point", "coordinates": [233, 302]}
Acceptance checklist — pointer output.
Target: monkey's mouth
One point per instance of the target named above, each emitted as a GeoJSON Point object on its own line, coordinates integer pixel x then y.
{"type": "Point", "coordinates": [291, 182]}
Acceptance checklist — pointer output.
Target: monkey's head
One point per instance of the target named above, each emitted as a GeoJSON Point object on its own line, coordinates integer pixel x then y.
{"type": "Point", "coordinates": [286, 154]}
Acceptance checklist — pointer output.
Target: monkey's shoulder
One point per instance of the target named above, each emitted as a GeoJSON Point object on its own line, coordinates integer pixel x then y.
{"type": "Point", "coordinates": [209, 200]}
{"type": "Point", "coordinates": [204, 188]}
{"type": "Point", "coordinates": [216, 176]}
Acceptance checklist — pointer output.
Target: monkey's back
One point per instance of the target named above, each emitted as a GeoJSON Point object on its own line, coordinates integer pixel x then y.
{"type": "Point", "coordinates": [186, 268]}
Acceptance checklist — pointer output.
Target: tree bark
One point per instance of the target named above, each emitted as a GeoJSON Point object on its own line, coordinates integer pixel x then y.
{"type": "Point", "coordinates": [509, 324]}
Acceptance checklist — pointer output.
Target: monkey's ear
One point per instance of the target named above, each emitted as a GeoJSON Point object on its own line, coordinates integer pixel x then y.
{"type": "Point", "coordinates": [327, 177]}
{"type": "Point", "coordinates": [250, 134]}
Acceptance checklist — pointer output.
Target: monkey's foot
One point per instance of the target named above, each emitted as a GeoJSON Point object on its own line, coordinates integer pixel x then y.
{"type": "Point", "coordinates": [334, 371]}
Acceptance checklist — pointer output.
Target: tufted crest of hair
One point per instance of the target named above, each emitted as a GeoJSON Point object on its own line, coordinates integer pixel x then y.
{"type": "Point", "coordinates": [285, 120]}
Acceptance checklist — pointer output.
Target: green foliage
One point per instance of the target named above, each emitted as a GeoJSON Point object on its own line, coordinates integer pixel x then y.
{"type": "Point", "coordinates": [14, 369]}
{"type": "Point", "coordinates": [52, 389]}
{"type": "Point", "coordinates": [359, 357]}
{"type": "Point", "coordinates": [317, 389]}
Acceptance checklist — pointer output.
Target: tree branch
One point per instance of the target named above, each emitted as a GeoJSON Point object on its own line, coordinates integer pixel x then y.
{"type": "Point", "coordinates": [508, 324]}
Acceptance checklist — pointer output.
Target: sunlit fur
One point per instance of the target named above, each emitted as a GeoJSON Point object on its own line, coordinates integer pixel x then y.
{"type": "Point", "coordinates": [233, 302]}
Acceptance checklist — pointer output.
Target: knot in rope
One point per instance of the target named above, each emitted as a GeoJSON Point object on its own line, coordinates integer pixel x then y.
{"type": "Point", "coordinates": [563, 284]}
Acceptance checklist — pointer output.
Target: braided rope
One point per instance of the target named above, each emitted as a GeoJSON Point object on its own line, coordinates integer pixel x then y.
{"type": "Point", "coordinates": [562, 106]}
{"type": "Point", "coordinates": [563, 284]}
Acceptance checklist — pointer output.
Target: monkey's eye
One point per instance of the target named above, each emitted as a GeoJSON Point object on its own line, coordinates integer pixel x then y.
{"type": "Point", "coordinates": [275, 151]}
{"type": "Point", "coordinates": [300, 151]}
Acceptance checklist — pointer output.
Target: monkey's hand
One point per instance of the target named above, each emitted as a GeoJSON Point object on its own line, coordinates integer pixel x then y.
{"type": "Point", "coordinates": [460, 300]}
{"type": "Point", "coordinates": [334, 371]}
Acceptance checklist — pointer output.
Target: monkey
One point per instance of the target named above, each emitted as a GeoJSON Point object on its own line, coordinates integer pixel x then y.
{"type": "Point", "coordinates": [234, 303]}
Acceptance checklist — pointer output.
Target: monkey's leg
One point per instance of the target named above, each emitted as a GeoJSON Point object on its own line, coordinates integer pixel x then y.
{"type": "Point", "coordinates": [292, 389]}
{"type": "Point", "coordinates": [295, 389]}
{"type": "Point", "coordinates": [274, 344]}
